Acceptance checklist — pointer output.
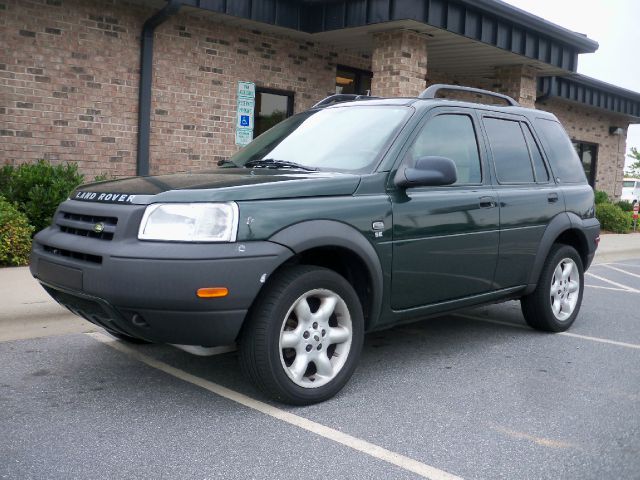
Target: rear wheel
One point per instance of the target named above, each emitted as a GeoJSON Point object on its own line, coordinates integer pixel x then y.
{"type": "Point", "coordinates": [304, 336]}
{"type": "Point", "coordinates": [554, 304]}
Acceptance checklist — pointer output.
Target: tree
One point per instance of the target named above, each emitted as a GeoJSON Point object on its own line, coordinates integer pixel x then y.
{"type": "Point", "coordinates": [634, 169]}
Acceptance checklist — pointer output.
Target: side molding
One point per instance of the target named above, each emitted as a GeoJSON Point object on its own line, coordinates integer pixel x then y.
{"type": "Point", "coordinates": [326, 233]}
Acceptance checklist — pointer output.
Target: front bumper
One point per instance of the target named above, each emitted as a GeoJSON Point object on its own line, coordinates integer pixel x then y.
{"type": "Point", "coordinates": [148, 289]}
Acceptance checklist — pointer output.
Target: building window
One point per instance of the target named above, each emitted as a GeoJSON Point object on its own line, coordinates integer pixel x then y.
{"type": "Point", "coordinates": [588, 153]}
{"type": "Point", "coordinates": [353, 80]}
{"type": "Point", "coordinates": [272, 107]}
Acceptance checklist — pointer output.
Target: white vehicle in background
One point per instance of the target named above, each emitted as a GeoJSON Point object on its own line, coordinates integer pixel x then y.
{"type": "Point", "coordinates": [631, 190]}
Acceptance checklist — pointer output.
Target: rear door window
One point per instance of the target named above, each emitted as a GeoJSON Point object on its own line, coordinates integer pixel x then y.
{"type": "Point", "coordinates": [510, 151]}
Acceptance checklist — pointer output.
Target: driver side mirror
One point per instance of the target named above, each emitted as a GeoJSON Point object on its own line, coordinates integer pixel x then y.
{"type": "Point", "coordinates": [427, 172]}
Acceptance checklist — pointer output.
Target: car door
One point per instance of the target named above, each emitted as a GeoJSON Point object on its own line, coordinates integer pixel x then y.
{"type": "Point", "coordinates": [445, 239]}
{"type": "Point", "coordinates": [528, 196]}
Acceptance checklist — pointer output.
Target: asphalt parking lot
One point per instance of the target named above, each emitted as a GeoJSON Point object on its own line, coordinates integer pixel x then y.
{"type": "Point", "coordinates": [476, 395]}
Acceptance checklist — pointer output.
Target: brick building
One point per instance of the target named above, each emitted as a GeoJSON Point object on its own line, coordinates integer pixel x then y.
{"type": "Point", "coordinates": [135, 86]}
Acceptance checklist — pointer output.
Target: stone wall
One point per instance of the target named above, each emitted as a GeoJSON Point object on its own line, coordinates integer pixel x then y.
{"type": "Point", "coordinates": [519, 82]}
{"type": "Point", "coordinates": [198, 64]}
{"type": "Point", "coordinates": [399, 64]}
{"type": "Point", "coordinates": [69, 83]}
{"type": "Point", "coordinates": [69, 73]}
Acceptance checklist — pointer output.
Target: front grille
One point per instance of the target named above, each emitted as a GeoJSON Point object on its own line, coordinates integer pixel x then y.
{"type": "Point", "coordinates": [85, 225]}
{"type": "Point", "coordinates": [85, 257]}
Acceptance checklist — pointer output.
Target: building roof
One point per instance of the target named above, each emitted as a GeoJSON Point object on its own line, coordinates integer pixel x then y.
{"type": "Point", "coordinates": [491, 22]}
{"type": "Point", "coordinates": [466, 37]}
{"type": "Point", "coordinates": [591, 92]}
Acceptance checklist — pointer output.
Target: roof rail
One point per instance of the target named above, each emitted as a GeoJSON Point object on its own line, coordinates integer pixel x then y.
{"type": "Point", "coordinates": [433, 90]}
{"type": "Point", "coordinates": [341, 97]}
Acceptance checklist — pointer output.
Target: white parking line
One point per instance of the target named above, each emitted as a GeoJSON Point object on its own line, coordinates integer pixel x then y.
{"type": "Point", "coordinates": [619, 285]}
{"type": "Point", "coordinates": [337, 436]}
{"type": "Point", "coordinates": [622, 271]}
{"type": "Point", "coordinates": [628, 265]}
{"type": "Point", "coordinates": [609, 288]}
{"type": "Point", "coordinates": [565, 334]}
{"type": "Point", "coordinates": [601, 340]}
{"type": "Point", "coordinates": [490, 320]}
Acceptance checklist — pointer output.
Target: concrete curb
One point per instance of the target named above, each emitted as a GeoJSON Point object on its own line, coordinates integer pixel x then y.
{"type": "Point", "coordinates": [615, 256]}
{"type": "Point", "coordinates": [614, 247]}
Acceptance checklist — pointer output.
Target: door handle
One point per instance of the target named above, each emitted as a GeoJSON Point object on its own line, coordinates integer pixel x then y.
{"type": "Point", "coordinates": [487, 202]}
{"type": "Point", "coordinates": [553, 197]}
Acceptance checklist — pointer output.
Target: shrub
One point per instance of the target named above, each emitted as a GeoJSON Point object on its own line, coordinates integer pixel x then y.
{"type": "Point", "coordinates": [15, 235]}
{"type": "Point", "coordinates": [612, 218]}
{"type": "Point", "coordinates": [103, 177]}
{"type": "Point", "coordinates": [625, 205]}
{"type": "Point", "coordinates": [601, 197]}
{"type": "Point", "coordinates": [37, 189]}
{"type": "Point", "coordinates": [5, 176]}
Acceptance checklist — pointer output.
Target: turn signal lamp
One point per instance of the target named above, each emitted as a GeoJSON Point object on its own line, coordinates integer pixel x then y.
{"type": "Point", "coordinates": [214, 292]}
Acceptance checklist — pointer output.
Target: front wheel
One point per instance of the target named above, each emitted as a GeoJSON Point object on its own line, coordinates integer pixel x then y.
{"type": "Point", "coordinates": [304, 335]}
{"type": "Point", "coordinates": [554, 304]}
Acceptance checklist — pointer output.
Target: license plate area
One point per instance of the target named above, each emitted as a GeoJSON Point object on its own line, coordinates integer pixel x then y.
{"type": "Point", "coordinates": [60, 275]}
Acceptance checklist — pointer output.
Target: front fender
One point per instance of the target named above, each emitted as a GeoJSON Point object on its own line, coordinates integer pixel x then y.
{"type": "Point", "coordinates": [327, 233]}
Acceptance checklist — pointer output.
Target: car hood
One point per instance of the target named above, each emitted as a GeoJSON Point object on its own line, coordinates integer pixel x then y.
{"type": "Point", "coordinates": [219, 185]}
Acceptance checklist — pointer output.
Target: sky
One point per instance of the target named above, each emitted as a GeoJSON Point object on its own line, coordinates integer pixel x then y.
{"type": "Point", "coordinates": [611, 23]}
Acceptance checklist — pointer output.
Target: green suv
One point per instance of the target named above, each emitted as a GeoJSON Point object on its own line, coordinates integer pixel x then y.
{"type": "Point", "coordinates": [351, 217]}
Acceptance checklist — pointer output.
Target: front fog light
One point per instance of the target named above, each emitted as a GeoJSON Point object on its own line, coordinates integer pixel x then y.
{"type": "Point", "coordinates": [190, 222]}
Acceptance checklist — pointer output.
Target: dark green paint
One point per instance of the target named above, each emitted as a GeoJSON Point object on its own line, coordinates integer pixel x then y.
{"type": "Point", "coordinates": [441, 248]}
{"type": "Point", "coordinates": [234, 184]}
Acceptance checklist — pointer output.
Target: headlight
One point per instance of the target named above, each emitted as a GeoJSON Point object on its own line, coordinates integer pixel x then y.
{"type": "Point", "coordinates": [190, 222]}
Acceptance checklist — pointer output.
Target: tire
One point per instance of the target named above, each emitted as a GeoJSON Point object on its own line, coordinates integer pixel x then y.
{"type": "Point", "coordinates": [285, 347]}
{"type": "Point", "coordinates": [554, 305]}
{"type": "Point", "coordinates": [126, 338]}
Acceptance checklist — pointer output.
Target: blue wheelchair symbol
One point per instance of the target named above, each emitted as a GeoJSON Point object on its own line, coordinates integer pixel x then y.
{"type": "Point", "coordinates": [244, 120]}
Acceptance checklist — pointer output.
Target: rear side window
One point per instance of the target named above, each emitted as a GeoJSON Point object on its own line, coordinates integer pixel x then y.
{"type": "Point", "coordinates": [564, 160]}
{"type": "Point", "coordinates": [510, 152]}
{"type": "Point", "coordinates": [451, 136]}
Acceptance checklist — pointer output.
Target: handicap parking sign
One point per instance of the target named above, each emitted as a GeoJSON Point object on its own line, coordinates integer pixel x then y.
{"type": "Point", "coordinates": [244, 112]}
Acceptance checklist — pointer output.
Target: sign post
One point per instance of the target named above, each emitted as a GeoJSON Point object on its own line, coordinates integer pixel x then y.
{"type": "Point", "coordinates": [636, 207]}
{"type": "Point", "coordinates": [244, 112]}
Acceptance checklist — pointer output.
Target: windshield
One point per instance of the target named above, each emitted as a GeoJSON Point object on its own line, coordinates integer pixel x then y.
{"type": "Point", "coordinates": [338, 139]}
{"type": "Point", "coordinates": [628, 184]}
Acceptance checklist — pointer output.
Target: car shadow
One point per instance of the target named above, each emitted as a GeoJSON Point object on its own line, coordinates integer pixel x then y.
{"type": "Point", "coordinates": [421, 345]}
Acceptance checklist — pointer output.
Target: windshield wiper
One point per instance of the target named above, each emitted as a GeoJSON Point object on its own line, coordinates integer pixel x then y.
{"type": "Point", "coordinates": [225, 162]}
{"type": "Point", "coordinates": [273, 163]}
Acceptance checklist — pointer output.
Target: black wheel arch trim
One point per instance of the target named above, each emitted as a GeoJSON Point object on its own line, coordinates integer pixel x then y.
{"type": "Point", "coordinates": [327, 233]}
{"type": "Point", "coordinates": [558, 225]}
